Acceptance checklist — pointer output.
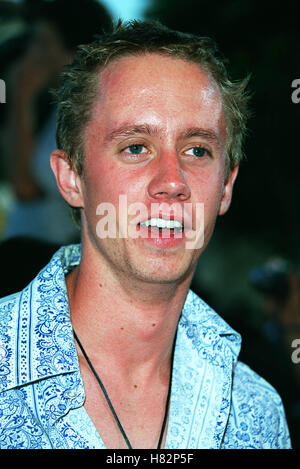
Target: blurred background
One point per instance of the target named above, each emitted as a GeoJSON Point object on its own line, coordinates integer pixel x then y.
{"type": "Point", "coordinates": [250, 270]}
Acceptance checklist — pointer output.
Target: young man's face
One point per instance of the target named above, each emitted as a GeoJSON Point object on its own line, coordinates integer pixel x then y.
{"type": "Point", "coordinates": [156, 136]}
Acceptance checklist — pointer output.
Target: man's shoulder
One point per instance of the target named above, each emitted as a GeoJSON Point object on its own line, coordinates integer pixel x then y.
{"type": "Point", "coordinates": [248, 382]}
{"type": "Point", "coordinates": [257, 416]}
{"type": "Point", "coordinates": [9, 299]}
{"type": "Point", "coordinates": [50, 281]}
{"type": "Point", "coordinates": [63, 260]}
{"type": "Point", "coordinates": [245, 379]}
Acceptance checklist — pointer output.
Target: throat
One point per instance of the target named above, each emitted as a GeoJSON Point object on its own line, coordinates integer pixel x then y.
{"type": "Point", "coordinates": [113, 396]}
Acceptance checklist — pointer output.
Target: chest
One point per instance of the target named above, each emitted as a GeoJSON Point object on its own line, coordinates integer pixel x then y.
{"type": "Point", "coordinates": [140, 415]}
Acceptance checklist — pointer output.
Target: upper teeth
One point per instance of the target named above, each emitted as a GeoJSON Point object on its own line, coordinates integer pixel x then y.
{"type": "Point", "coordinates": [161, 223]}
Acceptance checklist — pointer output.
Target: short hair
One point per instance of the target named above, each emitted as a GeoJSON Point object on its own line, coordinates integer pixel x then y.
{"type": "Point", "coordinates": [79, 86]}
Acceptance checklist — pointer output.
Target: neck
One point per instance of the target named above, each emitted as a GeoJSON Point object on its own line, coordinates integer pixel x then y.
{"type": "Point", "coordinates": [132, 326]}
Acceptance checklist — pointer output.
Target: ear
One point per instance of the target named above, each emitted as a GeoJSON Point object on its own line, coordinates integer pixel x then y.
{"type": "Point", "coordinates": [227, 190]}
{"type": "Point", "coordinates": [67, 179]}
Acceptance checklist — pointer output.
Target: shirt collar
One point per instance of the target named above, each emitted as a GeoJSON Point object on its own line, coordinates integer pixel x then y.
{"type": "Point", "coordinates": [206, 352]}
{"type": "Point", "coordinates": [43, 344]}
{"type": "Point", "coordinates": [198, 316]}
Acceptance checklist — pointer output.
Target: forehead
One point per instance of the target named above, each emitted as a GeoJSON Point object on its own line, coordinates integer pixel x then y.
{"type": "Point", "coordinates": [168, 91]}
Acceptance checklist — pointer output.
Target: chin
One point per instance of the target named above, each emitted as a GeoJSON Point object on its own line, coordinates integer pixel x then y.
{"type": "Point", "coordinates": [162, 272]}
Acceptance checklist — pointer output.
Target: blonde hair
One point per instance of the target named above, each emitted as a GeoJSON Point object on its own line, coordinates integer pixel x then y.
{"type": "Point", "coordinates": [79, 85]}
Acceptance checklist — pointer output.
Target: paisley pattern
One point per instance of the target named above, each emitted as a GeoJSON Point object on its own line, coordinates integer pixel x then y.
{"type": "Point", "coordinates": [216, 401]}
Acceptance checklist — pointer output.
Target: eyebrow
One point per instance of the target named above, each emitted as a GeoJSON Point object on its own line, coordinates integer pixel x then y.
{"type": "Point", "coordinates": [145, 129]}
{"type": "Point", "coordinates": [208, 134]}
{"type": "Point", "coordinates": [131, 131]}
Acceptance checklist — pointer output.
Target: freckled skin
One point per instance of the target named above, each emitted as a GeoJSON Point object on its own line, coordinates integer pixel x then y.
{"type": "Point", "coordinates": [154, 92]}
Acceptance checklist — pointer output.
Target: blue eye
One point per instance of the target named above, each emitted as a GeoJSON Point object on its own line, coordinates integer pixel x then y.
{"type": "Point", "coordinates": [197, 151]}
{"type": "Point", "coordinates": [136, 149]}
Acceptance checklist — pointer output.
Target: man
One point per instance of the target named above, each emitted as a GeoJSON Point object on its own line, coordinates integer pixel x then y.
{"type": "Point", "coordinates": [147, 120]}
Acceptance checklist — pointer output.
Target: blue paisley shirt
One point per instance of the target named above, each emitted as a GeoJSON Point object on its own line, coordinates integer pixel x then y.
{"type": "Point", "coordinates": [216, 401]}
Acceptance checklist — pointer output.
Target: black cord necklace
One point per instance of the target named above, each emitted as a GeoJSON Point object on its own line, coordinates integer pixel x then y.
{"type": "Point", "coordinates": [111, 406]}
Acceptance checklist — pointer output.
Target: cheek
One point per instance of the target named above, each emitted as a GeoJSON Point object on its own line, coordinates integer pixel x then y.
{"type": "Point", "coordinates": [208, 188]}
{"type": "Point", "coordinates": [209, 192]}
{"type": "Point", "coordinates": [106, 182]}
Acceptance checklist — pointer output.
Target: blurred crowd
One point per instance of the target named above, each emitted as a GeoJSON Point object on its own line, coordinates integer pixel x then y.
{"type": "Point", "coordinates": [271, 346]}
{"type": "Point", "coordinates": [39, 39]}
{"type": "Point", "coordinates": [270, 329]}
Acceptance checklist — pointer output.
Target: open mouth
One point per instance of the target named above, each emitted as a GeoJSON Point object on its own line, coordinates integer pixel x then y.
{"type": "Point", "coordinates": [161, 225]}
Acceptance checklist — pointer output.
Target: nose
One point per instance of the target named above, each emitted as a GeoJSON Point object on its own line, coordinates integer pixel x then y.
{"type": "Point", "coordinates": [168, 181]}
